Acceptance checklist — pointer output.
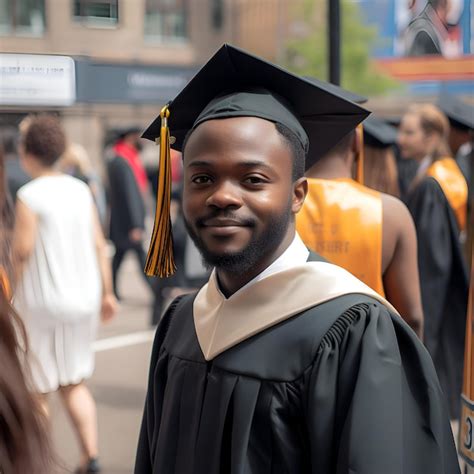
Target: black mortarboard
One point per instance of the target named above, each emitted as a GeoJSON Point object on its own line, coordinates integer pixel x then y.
{"type": "Point", "coordinates": [234, 83]}
{"type": "Point", "coordinates": [378, 133]}
{"type": "Point", "coordinates": [460, 114]}
{"type": "Point", "coordinates": [348, 95]}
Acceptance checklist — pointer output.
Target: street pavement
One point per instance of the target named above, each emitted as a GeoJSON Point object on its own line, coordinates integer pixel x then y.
{"type": "Point", "coordinates": [119, 381]}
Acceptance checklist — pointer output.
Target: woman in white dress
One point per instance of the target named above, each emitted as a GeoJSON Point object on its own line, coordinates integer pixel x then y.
{"type": "Point", "coordinates": [64, 279]}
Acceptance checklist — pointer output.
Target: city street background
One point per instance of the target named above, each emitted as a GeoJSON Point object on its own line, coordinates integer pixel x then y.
{"type": "Point", "coordinates": [118, 383]}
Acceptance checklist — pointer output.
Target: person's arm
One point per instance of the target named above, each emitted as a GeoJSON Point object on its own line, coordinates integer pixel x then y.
{"type": "Point", "coordinates": [401, 276]}
{"type": "Point", "coordinates": [24, 236]}
{"type": "Point", "coordinates": [109, 302]}
{"type": "Point", "coordinates": [373, 402]}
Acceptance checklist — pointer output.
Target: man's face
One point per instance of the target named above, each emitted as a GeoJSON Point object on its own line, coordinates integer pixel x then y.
{"type": "Point", "coordinates": [238, 197]}
{"type": "Point", "coordinates": [412, 141]}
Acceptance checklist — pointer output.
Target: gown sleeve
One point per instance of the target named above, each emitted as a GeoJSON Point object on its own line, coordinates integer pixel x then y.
{"type": "Point", "coordinates": [144, 461]}
{"type": "Point", "coordinates": [373, 401]}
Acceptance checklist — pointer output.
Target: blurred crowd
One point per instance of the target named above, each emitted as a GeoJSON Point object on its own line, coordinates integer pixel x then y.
{"type": "Point", "coordinates": [59, 212]}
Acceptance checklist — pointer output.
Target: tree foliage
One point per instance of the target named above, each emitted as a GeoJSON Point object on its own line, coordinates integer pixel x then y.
{"type": "Point", "coordinates": [307, 53]}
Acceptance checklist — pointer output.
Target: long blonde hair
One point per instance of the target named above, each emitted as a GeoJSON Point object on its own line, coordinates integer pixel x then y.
{"type": "Point", "coordinates": [432, 121]}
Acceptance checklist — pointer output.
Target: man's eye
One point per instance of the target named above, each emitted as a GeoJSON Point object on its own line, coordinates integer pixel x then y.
{"type": "Point", "coordinates": [254, 180]}
{"type": "Point", "coordinates": [201, 179]}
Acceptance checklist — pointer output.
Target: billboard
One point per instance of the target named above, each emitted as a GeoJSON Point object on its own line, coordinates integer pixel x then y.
{"type": "Point", "coordinates": [426, 43]}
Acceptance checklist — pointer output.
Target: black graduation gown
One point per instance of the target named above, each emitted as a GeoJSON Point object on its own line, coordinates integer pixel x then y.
{"type": "Point", "coordinates": [344, 387]}
{"type": "Point", "coordinates": [127, 206]}
{"type": "Point", "coordinates": [407, 169]}
{"type": "Point", "coordinates": [444, 285]}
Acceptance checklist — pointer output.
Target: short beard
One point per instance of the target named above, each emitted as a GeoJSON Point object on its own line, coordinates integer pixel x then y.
{"type": "Point", "coordinates": [258, 248]}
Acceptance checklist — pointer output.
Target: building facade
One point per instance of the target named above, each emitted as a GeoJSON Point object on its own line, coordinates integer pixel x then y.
{"type": "Point", "coordinates": [129, 56]}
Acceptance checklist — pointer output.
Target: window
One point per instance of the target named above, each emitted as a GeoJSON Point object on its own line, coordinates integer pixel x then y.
{"type": "Point", "coordinates": [217, 14]}
{"type": "Point", "coordinates": [22, 17]}
{"type": "Point", "coordinates": [166, 21]}
{"type": "Point", "coordinates": [97, 12]}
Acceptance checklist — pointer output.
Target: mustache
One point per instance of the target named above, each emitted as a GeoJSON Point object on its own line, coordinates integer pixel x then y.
{"type": "Point", "coordinates": [243, 221]}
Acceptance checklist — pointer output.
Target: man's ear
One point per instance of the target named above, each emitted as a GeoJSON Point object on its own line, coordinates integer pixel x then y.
{"type": "Point", "coordinates": [300, 190]}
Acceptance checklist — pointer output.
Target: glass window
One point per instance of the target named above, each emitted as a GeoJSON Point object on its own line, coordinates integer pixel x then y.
{"type": "Point", "coordinates": [98, 12]}
{"type": "Point", "coordinates": [22, 17]}
{"type": "Point", "coordinates": [166, 21]}
{"type": "Point", "coordinates": [217, 14]}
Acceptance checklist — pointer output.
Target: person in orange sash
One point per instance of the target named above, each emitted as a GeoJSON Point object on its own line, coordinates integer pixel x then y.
{"type": "Point", "coordinates": [466, 434]}
{"type": "Point", "coordinates": [437, 201]}
{"type": "Point", "coordinates": [368, 233]}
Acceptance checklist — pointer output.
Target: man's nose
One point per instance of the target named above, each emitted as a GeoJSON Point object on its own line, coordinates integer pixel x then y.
{"type": "Point", "coordinates": [226, 194]}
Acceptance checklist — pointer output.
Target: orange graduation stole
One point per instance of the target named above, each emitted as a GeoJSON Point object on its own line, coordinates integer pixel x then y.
{"type": "Point", "coordinates": [342, 221]}
{"type": "Point", "coordinates": [448, 175]}
{"type": "Point", "coordinates": [5, 283]}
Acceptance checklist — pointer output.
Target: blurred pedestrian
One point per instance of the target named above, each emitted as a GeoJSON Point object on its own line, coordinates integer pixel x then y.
{"type": "Point", "coordinates": [461, 141]}
{"type": "Point", "coordinates": [368, 233]}
{"type": "Point", "coordinates": [64, 280]}
{"type": "Point", "coordinates": [190, 273]}
{"type": "Point", "coordinates": [25, 445]}
{"type": "Point", "coordinates": [16, 176]}
{"type": "Point", "coordinates": [461, 134]}
{"type": "Point", "coordinates": [380, 165]}
{"type": "Point", "coordinates": [437, 202]}
{"type": "Point", "coordinates": [76, 162]}
{"type": "Point", "coordinates": [127, 188]}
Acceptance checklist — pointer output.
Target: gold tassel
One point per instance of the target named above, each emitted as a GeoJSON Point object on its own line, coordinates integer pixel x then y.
{"type": "Point", "coordinates": [360, 155]}
{"type": "Point", "coordinates": [160, 259]}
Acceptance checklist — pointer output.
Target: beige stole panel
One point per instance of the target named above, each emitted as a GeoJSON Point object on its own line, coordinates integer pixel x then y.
{"type": "Point", "coordinates": [222, 323]}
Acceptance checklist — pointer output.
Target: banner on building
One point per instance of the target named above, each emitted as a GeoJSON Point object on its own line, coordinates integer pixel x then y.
{"type": "Point", "coordinates": [424, 42]}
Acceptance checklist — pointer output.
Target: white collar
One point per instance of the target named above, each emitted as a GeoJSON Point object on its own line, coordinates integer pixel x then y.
{"type": "Point", "coordinates": [425, 163]}
{"type": "Point", "coordinates": [296, 254]}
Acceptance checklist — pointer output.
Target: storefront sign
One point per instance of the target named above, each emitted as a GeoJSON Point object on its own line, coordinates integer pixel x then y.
{"type": "Point", "coordinates": [36, 79]}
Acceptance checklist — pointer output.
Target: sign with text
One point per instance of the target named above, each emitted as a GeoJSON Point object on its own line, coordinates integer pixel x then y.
{"type": "Point", "coordinates": [36, 79]}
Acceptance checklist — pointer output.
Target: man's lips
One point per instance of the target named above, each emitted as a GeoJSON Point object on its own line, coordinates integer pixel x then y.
{"type": "Point", "coordinates": [223, 227]}
{"type": "Point", "coordinates": [223, 223]}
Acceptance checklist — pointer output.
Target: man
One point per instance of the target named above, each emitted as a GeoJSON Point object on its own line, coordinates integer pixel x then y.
{"type": "Point", "coordinates": [370, 234]}
{"type": "Point", "coordinates": [277, 364]}
{"type": "Point", "coordinates": [127, 187]}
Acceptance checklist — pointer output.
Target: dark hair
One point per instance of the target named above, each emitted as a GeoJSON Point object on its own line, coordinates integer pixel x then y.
{"type": "Point", "coordinates": [45, 139]}
{"type": "Point", "coordinates": [436, 3]}
{"type": "Point", "coordinates": [297, 150]}
{"type": "Point", "coordinates": [24, 438]}
{"type": "Point", "coordinates": [290, 139]}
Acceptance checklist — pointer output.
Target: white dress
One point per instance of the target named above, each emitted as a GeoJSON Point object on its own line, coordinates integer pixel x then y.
{"type": "Point", "coordinates": [59, 294]}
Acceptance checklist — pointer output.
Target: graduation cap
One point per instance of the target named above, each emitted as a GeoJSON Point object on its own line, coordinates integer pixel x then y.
{"type": "Point", "coordinates": [460, 114]}
{"type": "Point", "coordinates": [234, 83]}
{"type": "Point", "coordinates": [348, 95]}
{"type": "Point", "coordinates": [378, 133]}
{"type": "Point", "coordinates": [357, 99]}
